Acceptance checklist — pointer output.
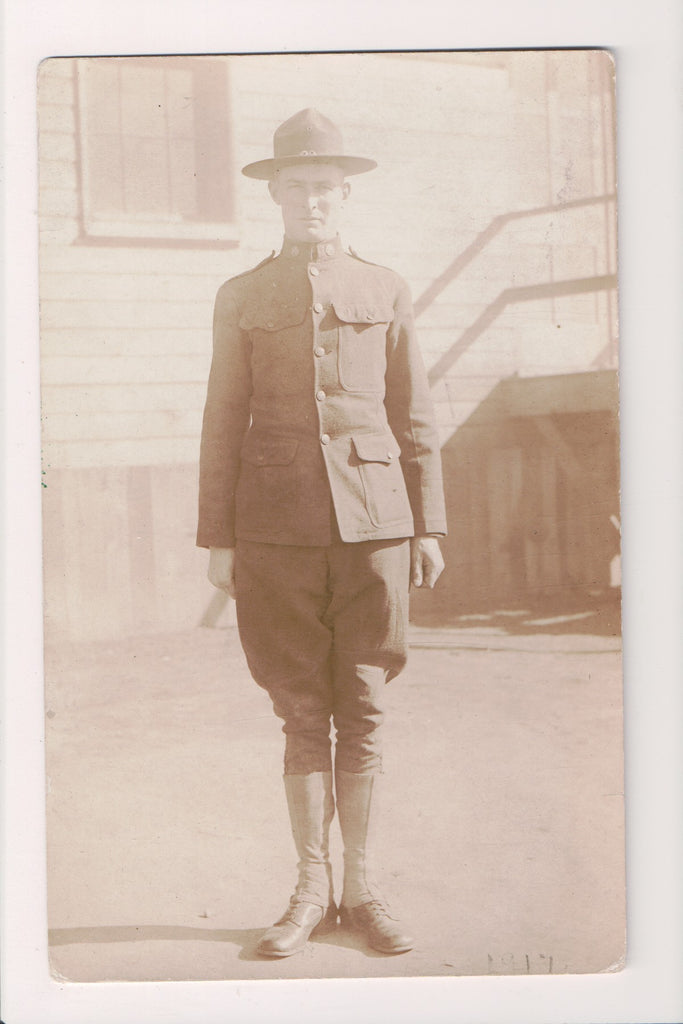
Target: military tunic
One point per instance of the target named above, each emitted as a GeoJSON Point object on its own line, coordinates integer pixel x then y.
{"type": "Point", "coordinates": [318, 408]}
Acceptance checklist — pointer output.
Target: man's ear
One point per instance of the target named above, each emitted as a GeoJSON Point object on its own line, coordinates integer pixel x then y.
{"type": "Point", "coordinates": [346, 189]}
{"type": "Point", "coordinates": [274, 191]}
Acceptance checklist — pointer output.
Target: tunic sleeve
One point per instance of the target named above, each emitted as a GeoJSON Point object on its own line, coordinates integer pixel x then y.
{"type": "Point", "coordinates": [411, 418]}
{"type": "Point", "coordinates": [226, 419]}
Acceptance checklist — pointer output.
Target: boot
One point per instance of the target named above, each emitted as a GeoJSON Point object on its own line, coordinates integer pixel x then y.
{"type": "Point", "coordinates": [312, 907]}
{"type": "Point", "coordinates": [362, 909]}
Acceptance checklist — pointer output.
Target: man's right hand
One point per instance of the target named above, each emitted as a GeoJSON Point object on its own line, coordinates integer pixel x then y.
{"type": "Point", "coordinates": [222, 569]}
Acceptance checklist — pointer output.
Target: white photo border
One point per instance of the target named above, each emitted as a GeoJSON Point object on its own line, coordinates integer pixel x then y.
{"type": "Point", "coordinates": [646, 41]}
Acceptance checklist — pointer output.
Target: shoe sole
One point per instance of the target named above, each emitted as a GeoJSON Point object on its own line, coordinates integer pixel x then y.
{"type": "Point", "coordinates": [394, 950]}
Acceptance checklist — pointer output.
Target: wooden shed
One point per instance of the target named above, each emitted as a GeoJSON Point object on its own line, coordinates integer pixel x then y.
{"type": "Point", "coordinates": [532, 482]}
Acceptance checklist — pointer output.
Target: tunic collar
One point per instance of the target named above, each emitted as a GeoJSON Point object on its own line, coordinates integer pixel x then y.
{"type": "Point", "coordinates": [312, 253]}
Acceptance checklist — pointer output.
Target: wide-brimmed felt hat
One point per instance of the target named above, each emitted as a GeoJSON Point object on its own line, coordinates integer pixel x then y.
{"type": "Point", "coordinates": [307, 137]}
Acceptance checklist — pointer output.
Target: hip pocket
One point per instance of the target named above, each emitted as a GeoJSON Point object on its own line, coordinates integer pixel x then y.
{"type": "Point", "coordinates": [268, 480]}
{"type": "Point", "coordinates": [384, 488]}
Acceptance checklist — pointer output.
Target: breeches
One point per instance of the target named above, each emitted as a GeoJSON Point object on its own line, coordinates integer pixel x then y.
{"type": "Point", "coordinates": [323, 630]}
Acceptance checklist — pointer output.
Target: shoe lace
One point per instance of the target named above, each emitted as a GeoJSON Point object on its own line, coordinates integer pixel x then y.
{"type": "Point", "coordinates": [377, 909]}
{"type": "Point", "coordinates": [294, 903]}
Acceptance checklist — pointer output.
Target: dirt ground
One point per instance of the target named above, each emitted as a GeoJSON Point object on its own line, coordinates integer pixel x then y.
{"type": "Point", "coordinates": [500, 840]}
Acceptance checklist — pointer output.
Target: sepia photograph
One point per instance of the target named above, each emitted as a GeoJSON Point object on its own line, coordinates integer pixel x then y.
{"type": "Point", "coordinates": [329, 354]}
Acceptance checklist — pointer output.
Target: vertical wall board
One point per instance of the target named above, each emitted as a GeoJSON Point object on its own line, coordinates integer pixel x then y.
{"type": "Point", "coordinates": [82, 566]}
{"type": "Point", "coordinates": [503, 498]}
{"type": "Point", "coordinates": [532, 523]}
{"type": "Point", "coordinates": [108, 506]}
{"type": "Point", "coordinates": [55, 559]}
{"type": "Point", "coordinates": [139, 537]}
{"type": "Point", "coordinates": [550, 549]}
{"type": "Point", "coordinates": [182, 587]}
{"type": "Point", "coordinates": [481, 576]}
{"type": "Point", "coordinates": [90, 575]}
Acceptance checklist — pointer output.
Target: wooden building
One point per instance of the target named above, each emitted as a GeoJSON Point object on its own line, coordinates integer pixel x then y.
{"type": "Point", "coordinates": [494, 197]}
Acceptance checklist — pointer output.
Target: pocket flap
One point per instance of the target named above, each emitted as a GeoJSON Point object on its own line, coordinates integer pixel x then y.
{"type": "Point", "coordinates": [376, 448]}
{"type": "Point", "coordinates": [363, 312]}
{"type": "Point", "coordinates": [262, 452]}
{"type": "Point", "coordinates": [272, 318]}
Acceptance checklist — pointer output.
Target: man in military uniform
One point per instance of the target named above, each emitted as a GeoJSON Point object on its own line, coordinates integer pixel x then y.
{"type": "Point", "coordinates": [320, 500]}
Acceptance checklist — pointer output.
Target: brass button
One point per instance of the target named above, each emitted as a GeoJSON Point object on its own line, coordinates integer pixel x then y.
{"type": "Point", "coordinates": [318, 307]}
{"type": "Point", "coordinates": [270, 324]}
{"type": "Point", "coordinates": [370, 315]}
{"type": "Point", "coordinates": [319, 351]}
{"type": "Point", "coordinates": [313, 271]}
{"type": "Point", "coordinates": [329, 249]}
{"type": "Point", "coordinates": [320, 395]}
{"type": "Point", "coordinates": [325, 439]}
{"type": "Point", "coordinates": [294, 250]}
{"type": "Point", "coordinates": [390, 456]}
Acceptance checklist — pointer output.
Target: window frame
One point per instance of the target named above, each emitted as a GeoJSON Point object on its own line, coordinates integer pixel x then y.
{"type": "Point", "coordinates": [166, 229]}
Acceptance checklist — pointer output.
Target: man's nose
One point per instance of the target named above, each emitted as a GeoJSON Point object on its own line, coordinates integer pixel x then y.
{"type": "Point", "coordinates": [311, 199]}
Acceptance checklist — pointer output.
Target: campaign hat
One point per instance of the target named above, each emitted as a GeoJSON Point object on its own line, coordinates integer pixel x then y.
{"type": "Point", "coordinates": [307, 137]}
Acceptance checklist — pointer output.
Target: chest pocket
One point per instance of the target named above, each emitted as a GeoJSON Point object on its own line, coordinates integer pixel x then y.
{"type": "Point", "coordinates": [280, 346]}
{"type": "Point", "coordinates": [272, 317]}
{"type": "Point", "coordinates": [362, 360]}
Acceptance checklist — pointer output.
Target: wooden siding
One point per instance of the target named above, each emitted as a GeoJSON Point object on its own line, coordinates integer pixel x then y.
{"type": "Point", "coordinates": [532, 484]}
{"type": "Point", "coordinates": [120, 553]}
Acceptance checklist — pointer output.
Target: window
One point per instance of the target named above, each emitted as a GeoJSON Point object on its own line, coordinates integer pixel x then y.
{"type": "Point", "coordinates": [155, 149]}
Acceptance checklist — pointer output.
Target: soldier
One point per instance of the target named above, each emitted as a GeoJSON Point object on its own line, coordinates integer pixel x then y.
{"type": "Point", "coordinates": [321, 499]}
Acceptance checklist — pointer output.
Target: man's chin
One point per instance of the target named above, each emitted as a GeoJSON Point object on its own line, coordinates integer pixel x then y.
{"type": "Point", "coordinates": [314, 232]}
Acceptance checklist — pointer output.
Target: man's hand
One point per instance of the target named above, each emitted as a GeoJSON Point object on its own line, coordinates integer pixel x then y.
{"type": "Point", "coordinates": [426, 561]}
{"type": "Point", "coordinates": [222, 569]}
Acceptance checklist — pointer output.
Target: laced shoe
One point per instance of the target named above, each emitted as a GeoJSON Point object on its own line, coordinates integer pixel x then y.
{"type": "Point", "coordinates": [292, 931]}
{"type": "Point", "coordinates": [381, 930]}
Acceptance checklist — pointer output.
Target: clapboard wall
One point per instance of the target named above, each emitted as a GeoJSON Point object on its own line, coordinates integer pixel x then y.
{"type": "Point", "coordinates": [507, 158]}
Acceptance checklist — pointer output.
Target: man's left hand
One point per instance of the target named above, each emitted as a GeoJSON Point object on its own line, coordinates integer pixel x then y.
{"type": "Point", "coordinates": [426, 561]}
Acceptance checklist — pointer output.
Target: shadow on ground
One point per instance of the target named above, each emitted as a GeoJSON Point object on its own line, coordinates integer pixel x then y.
{"type": "Point", "coordinates": [596, 614]}
{"type": "Point", "coordinates": [245, 938]}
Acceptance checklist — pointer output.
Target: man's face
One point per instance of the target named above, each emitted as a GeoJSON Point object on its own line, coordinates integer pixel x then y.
{"type": "Point", "coordinates": [311, 197]}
